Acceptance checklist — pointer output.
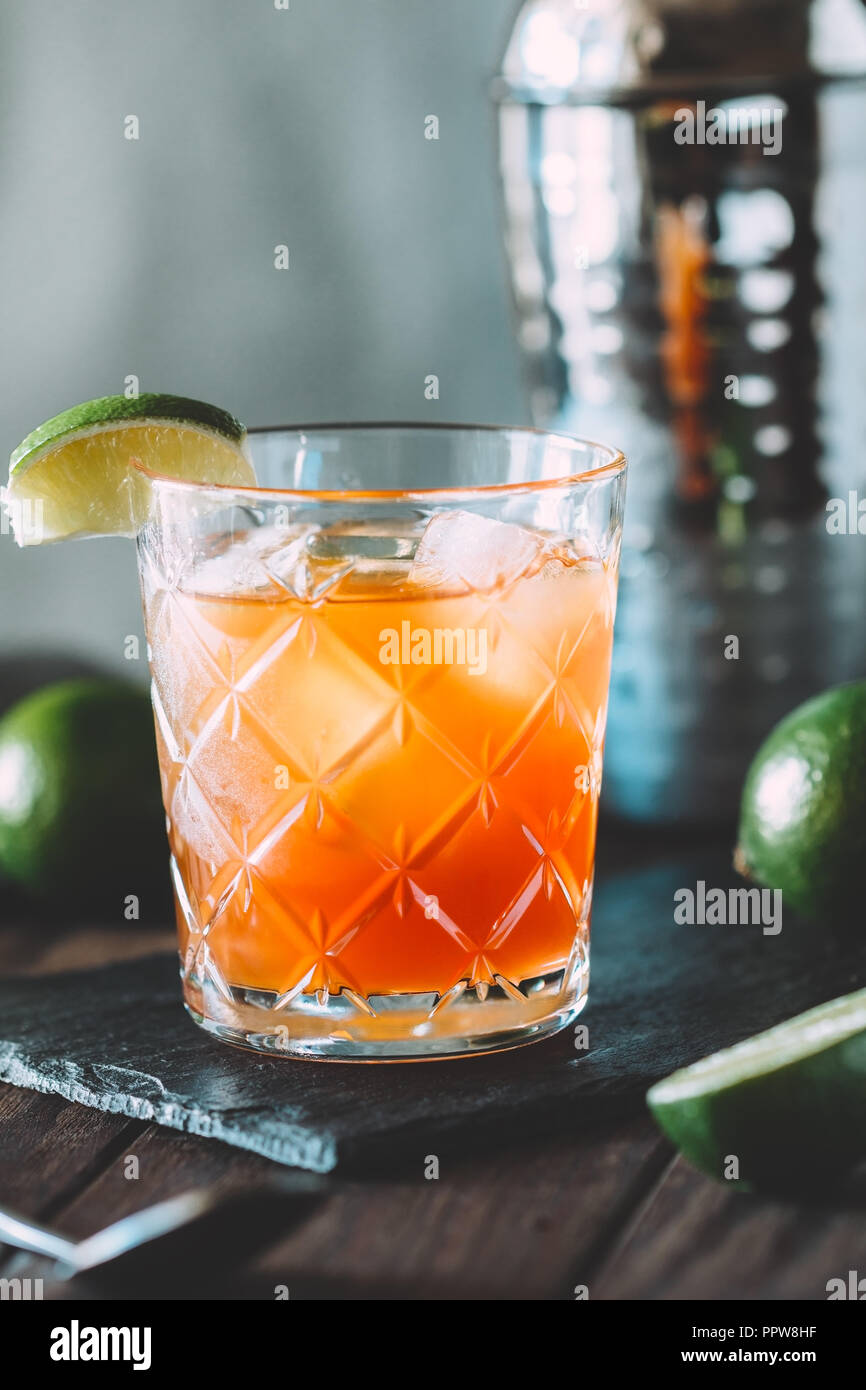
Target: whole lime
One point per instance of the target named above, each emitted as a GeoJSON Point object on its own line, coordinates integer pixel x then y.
{"type": "Point", "coordinates": [803, 812]}
{"type": "Point", "coordinates": [81, 820]}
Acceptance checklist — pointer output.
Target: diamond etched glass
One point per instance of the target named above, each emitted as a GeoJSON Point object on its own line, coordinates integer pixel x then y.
{"type": "Point", "coordinates": [380, 685]}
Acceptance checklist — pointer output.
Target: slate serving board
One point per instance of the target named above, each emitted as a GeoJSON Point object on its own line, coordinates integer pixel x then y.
{"type": "Point", "coordinates": [662, 995]}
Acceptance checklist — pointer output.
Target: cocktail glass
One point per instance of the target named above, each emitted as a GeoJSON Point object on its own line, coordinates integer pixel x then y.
{"type": "Point", "coordinates": [380, 684]}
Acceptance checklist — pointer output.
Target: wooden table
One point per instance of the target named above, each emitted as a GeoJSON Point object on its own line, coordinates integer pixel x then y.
{"type": "Point", "coordinates": [614, 1209]}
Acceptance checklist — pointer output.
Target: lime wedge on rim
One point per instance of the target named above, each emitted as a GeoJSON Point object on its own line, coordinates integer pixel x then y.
{"type": "Point", "coordinates": [788, 1104]}
{"type": "Point", "coordinates": [74, 475]}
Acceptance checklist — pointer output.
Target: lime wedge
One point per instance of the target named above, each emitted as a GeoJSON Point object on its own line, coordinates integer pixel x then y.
{"type": "Point", "coordinates": [789, 1104]}
{"type": "Point", "coordinates": [73, 476]}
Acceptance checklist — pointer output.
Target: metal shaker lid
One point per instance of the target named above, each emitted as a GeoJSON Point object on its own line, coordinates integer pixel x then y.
{"type": "Point", "coordinates": [629, 51]}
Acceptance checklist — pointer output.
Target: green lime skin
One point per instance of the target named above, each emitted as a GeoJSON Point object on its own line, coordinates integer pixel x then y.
{"type": "Point", "coordinates": [792, 1114]}
{"type": "Point", "coordinates": [81, 819]}
{"type": "Point", "coordinates": [151, 405]}
{"type": "Point", "coordinates": [803, 811]}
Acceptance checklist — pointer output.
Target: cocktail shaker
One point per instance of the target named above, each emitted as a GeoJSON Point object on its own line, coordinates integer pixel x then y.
{"type": "Point", "coordinates": [684, 193]}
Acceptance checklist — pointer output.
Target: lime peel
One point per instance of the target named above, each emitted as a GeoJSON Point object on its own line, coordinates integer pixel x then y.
{"type": "Point", "coordinates": [817, 1029]}
{"type": "Point", "coordinates": [786, 1103]}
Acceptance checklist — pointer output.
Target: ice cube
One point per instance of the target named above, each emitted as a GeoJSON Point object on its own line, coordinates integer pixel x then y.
{"type": "Point", "coordinates": [462, 549]}
{"type": "Point", "coordinates": [349, 557]}
{"type": "Point", "coordinates": [259, 563]}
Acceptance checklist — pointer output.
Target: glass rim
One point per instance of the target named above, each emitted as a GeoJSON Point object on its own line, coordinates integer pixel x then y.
{"type": "Point", "coordinates": [615, 464]}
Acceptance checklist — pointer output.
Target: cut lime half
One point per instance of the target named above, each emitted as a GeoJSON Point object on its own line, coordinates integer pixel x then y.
{"type": "Point", "coordinates": [788, 1105]}
{"type": "Point", "coordinates": [75, 475]}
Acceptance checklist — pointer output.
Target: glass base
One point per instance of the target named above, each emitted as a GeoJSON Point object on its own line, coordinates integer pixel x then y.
{"type": "Point", "coordinates": [466, 1022]}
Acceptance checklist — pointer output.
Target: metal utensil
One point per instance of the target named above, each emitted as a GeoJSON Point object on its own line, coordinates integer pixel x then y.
{"type": "Point", "coordinates": [191, 1237]}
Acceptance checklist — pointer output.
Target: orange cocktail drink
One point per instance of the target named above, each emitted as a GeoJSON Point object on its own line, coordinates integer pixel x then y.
{"type": "Point", "coordinates": [380, 740]}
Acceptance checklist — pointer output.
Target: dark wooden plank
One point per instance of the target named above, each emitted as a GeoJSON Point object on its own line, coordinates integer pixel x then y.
{"type": "Point", "coordinates": [698, 1239]}
{"type": "Point", "coordinates": [167, 1164]}
{"type": "Point", "coordinates": [50, 1148]}
{"type": "Point", "coordinates": [35, 948]}
{"type": "Point", "coordinates": [513, 1225]}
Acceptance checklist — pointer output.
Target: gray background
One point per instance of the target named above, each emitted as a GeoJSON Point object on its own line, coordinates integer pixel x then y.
{"type": "Point", "coordinates": [155, 257]}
